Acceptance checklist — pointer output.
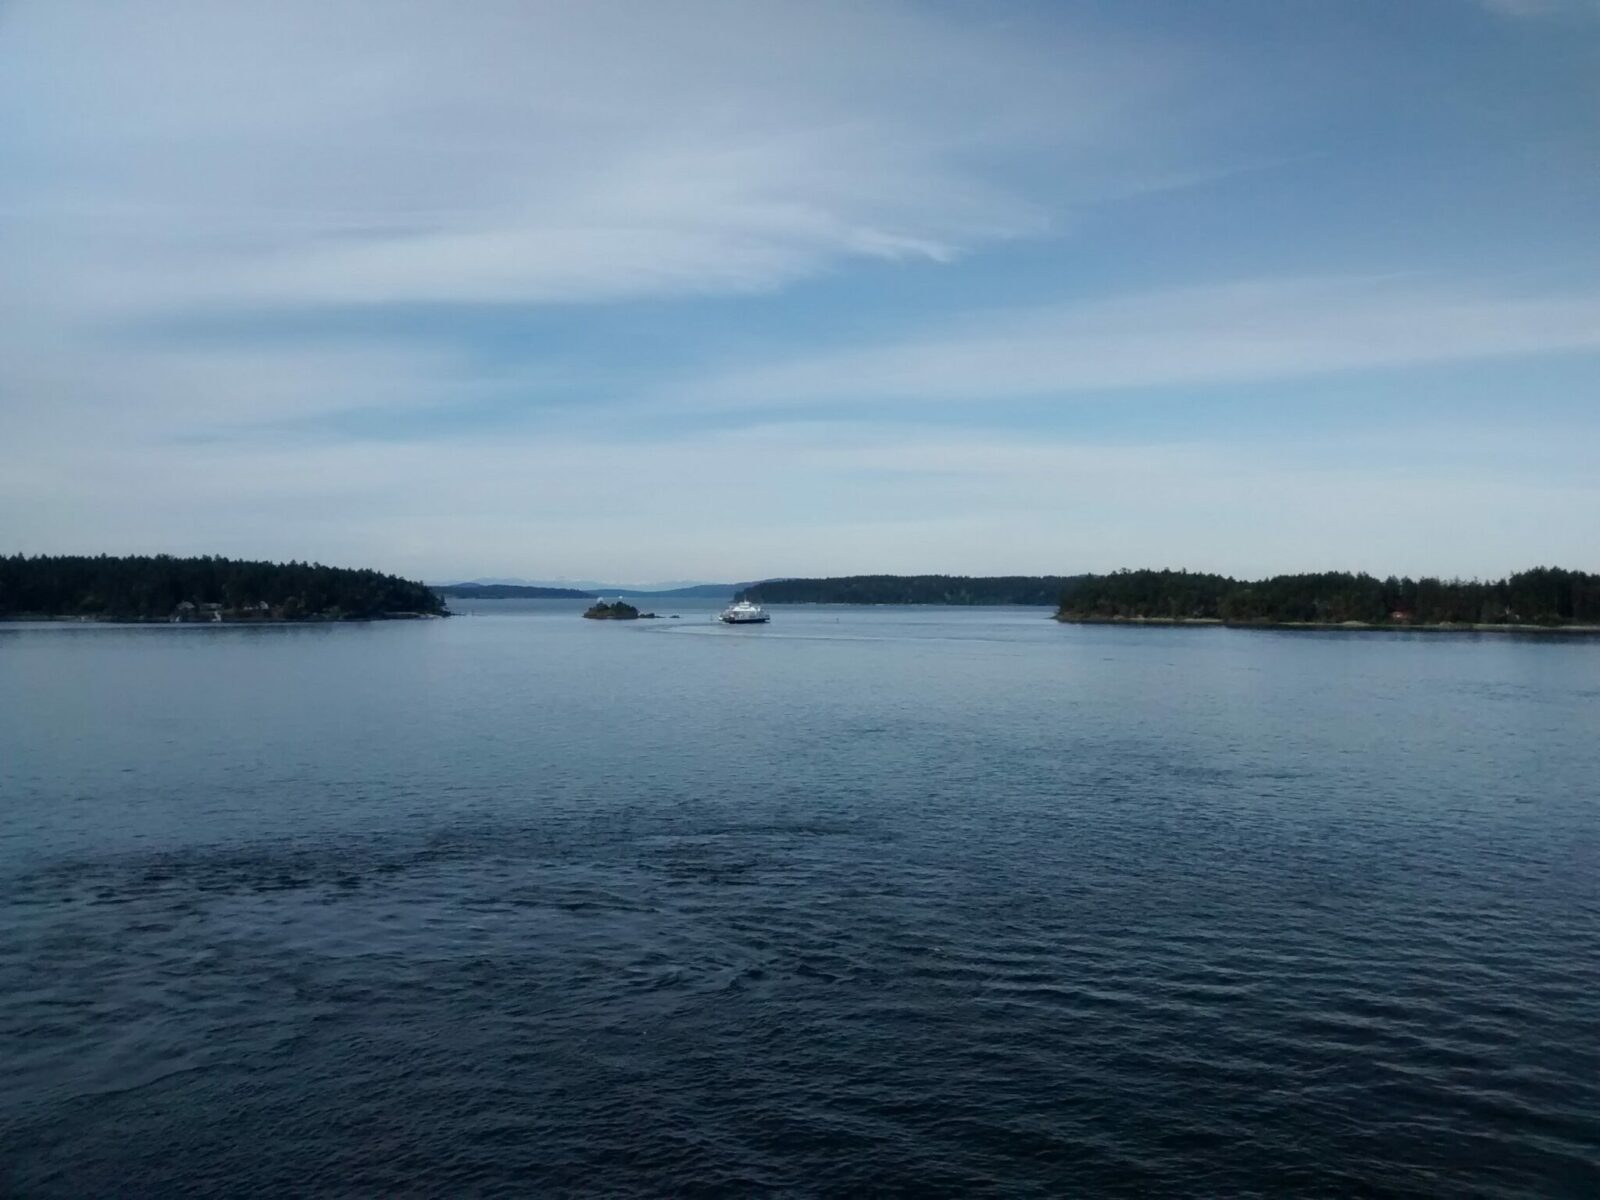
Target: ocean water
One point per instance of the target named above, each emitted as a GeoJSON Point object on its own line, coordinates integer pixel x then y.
{"type": "Point", "coordinates": [865, 902]}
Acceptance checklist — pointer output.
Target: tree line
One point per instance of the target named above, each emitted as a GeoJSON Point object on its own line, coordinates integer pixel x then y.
{"type": "Point", "coordinates": [1541, 596]}
{"type": "Point", "coordinates": [158, 587]}
{"type": "Point", "coordinates": [910, 589]}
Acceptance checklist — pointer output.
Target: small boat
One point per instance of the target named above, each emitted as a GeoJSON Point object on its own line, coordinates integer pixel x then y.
{"type": "Point", "coordinates": [743, 612]}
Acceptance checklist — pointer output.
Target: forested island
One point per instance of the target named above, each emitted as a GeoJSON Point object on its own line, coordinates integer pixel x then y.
{"type": "Point", "coordinates": [1542, 598]}
{"type": "Point", "coordinates": [509, 591]}
{"type": "Point", "coordinates": [163, 588]}
{"type": "Point", "coordinates": [911, 589]}
{"type": "Point", "coordinates": [619, 611]}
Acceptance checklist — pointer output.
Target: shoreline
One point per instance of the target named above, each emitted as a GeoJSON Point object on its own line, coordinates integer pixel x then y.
{"type": "Point", "coordinates": [1333, 626]}
{"type": "Point", "coordinates": [80, 619]}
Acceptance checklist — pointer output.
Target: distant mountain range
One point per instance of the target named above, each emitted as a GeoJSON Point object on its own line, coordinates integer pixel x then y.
{"type": "Point", "coordinates": [694, 591]}
{"type": "Point", "coordinates": [583, 589]}
{"type": "Point", "coordinates": [591, 585]}
{"type": "Point", "coordinates": [507, 591]}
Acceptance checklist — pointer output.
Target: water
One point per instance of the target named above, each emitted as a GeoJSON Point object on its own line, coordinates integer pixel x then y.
{"type": "Point", "coordinates": [887, 901]}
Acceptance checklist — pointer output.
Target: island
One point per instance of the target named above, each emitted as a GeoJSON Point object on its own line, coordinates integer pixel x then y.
{"type": "Point", "coordinates": [1541, 599]}
{"type": "Point", "coordinates": [619, 611]}
{"type": "Point", "coordinates": [910, 589]}
{"type": "Point", "coordinates": [1544, 598]}
{"type": "Point", "coordinates": [164, 588]}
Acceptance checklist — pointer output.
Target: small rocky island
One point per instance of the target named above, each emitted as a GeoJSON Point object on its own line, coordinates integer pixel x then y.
{"type": "Point", "coordinates": [619, 611]}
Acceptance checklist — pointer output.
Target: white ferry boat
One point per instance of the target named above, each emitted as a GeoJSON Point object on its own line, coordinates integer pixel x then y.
{"type": "Point", "coordinates": [744, 613]}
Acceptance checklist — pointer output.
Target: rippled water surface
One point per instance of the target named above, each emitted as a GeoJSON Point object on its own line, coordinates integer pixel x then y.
{"type": "Point", "coordinates": [887, 901]}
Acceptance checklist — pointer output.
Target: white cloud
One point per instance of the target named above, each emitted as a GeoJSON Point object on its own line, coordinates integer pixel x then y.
{"type": "Point", "coordinates": [191, 158]}
{"type": "Point", "coordinates": [1268, 329]}
{"type": "Point", "coordinates": [832, 499]}
{"type": "Point", "coordinates": [179, 160]}
{"type": "Point", "coordinates": [201, 153]}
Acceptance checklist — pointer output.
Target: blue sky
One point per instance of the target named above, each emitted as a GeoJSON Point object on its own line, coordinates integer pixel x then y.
{"type": "Point", "coordinates": [731, 290]}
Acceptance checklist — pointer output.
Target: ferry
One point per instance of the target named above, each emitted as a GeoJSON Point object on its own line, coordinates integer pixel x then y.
{"type": "Point", "coordinates": [744, 612]}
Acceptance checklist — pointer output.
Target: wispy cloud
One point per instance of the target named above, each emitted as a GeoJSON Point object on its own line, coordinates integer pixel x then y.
{"type": "Point", "coordinates": [298, 153]}
{"type": "Point", "coordinates": [1265, 329]}
{"type": "Point", "coordinates": [833, 498]}
{"type": "Point", "coordinates": [231, 232]}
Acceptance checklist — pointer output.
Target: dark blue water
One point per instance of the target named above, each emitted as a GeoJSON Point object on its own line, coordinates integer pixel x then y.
{"type": "Point", "coordinates": [894, 902]}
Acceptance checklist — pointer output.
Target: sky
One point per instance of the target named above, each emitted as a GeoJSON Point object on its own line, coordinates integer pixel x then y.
{"type": "Point", "coordinates": [703, 290]}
